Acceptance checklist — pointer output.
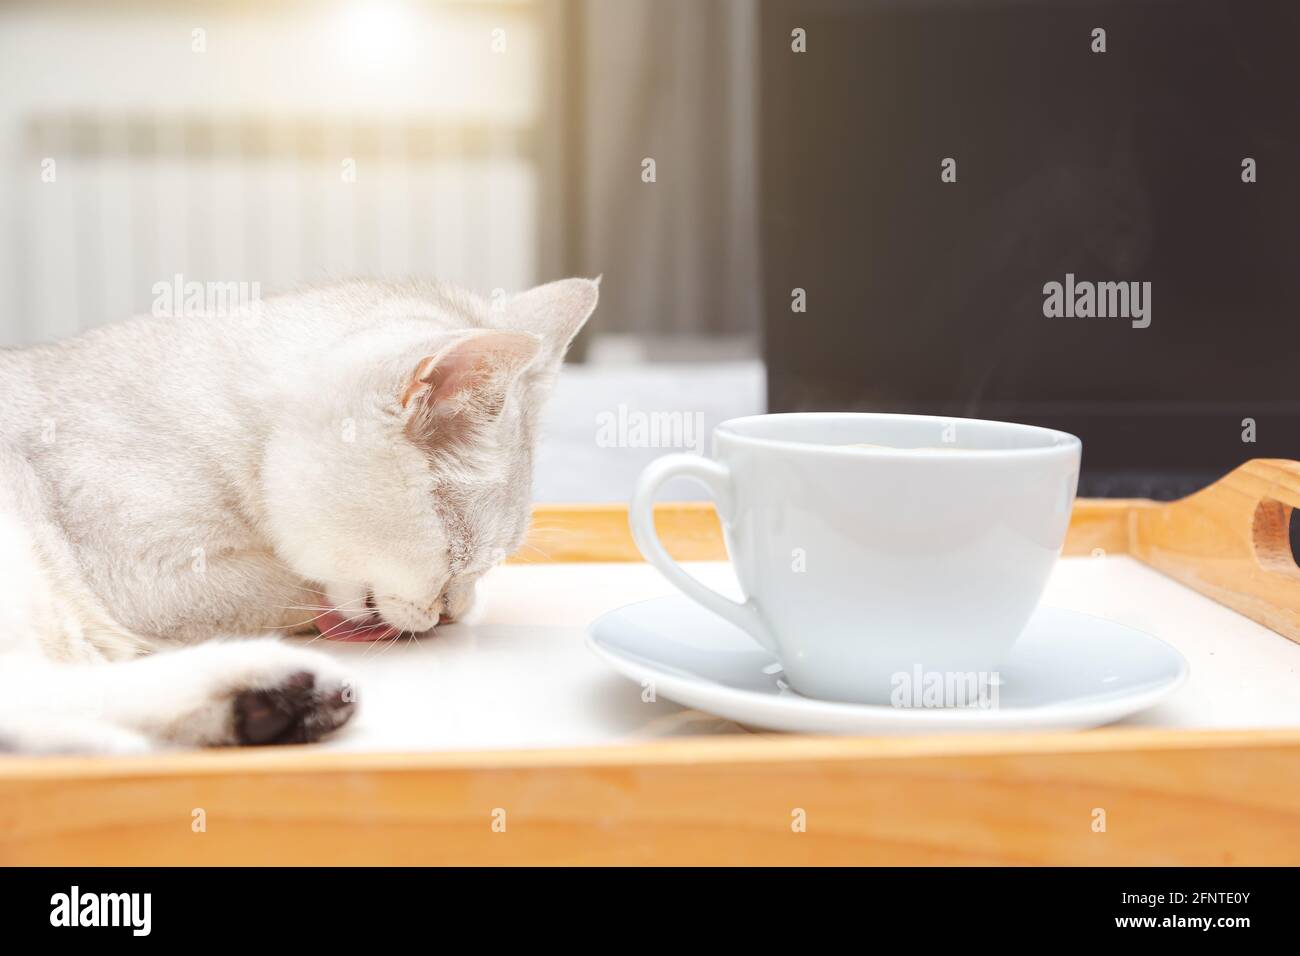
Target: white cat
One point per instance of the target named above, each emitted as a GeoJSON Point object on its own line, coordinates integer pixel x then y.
{"type": "Point", "coordinates": [349, 459]}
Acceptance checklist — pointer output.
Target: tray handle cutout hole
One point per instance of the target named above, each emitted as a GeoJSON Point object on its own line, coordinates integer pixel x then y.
{"type": "Point", "coordinates": [1276, 536]}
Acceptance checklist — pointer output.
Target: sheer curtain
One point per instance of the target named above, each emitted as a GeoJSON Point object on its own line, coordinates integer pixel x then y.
{"type": "Point", "coordinates": [673, 81]}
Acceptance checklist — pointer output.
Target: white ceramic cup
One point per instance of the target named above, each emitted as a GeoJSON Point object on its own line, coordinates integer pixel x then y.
{"type": "Point", "coordinates": [864, 563]}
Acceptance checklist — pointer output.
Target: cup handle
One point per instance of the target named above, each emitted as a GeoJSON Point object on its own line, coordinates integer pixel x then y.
{"type": "Point", "coordinates": [717, 479]}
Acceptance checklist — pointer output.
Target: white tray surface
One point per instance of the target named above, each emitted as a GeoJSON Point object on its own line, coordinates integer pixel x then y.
{"type": "Point", "coordinates": [520, 676]}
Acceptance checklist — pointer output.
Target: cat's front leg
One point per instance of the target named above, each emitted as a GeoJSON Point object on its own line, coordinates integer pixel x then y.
{"type": "Point", "coordinates": [223, 693]}
{"type": "Point", "coordinates": [46, 734]}
{"type": "Point", "coordinates": [246, 693]}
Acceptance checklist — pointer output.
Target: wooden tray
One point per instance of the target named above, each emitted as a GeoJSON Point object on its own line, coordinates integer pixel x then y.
{"type": "Point", "coordinates": [1168, 796]}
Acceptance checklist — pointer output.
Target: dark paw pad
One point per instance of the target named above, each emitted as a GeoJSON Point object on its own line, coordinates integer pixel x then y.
{"type": "Point", "coordinates": [295, 711]}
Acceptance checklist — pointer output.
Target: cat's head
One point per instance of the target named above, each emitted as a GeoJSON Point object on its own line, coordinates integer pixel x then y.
{"type": "Point", "coordinates": [400, 470]}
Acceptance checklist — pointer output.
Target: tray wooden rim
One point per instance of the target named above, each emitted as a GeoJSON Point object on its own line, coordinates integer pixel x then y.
{"type": "Point", "coordinates": [666, 752]}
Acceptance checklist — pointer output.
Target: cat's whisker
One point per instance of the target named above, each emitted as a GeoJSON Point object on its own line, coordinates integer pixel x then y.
{"type": "Point", "coordinates": [311, 620]}
{"type": "Point", "coordinates": [386, 643]}
{"type": "Point", "coordinates": [330, 630]}
{"type": "Point", "coordinates": [291, 627]}
{"type": "Point", "coordinates": [518, 555]}
{"type": "Point", "coordinates": [554, 533]}
{"type": "Point", "coordinates": [347, 606]}
{"type": "Point", "coordinates": [272, 560]}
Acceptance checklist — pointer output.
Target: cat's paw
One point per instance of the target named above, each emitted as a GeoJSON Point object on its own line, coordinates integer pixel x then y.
{"type": "Point", "coordinates": [302, 707]}
{"type": "Point", "coordinates": [256, 692]}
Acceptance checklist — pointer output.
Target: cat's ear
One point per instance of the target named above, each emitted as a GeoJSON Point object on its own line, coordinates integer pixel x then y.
{"type": "Point", "coordinates": [555, 311]}
{"type": "Point", "coordinates": [471, 374]}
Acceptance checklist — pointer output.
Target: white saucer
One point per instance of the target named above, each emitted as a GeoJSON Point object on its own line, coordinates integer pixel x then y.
{"type": "Point", "coordinates": [1068, 671]}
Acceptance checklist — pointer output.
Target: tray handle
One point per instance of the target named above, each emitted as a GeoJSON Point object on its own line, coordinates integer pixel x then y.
{"type": "Point", "coordinates": [1231, 542]}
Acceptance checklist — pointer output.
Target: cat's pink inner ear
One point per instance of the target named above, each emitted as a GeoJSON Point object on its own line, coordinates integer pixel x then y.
{"type": "Point", "coordinates": [477, 362]}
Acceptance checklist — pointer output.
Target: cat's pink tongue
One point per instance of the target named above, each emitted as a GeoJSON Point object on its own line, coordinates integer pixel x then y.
{"type": "Point", "coordinates": [336, 627]}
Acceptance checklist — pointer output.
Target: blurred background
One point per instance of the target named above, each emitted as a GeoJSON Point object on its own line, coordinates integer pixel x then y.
{"type": "Point", "coordinates": [492, 143]}
{"type": "Point", "coordinates": [760, 183]}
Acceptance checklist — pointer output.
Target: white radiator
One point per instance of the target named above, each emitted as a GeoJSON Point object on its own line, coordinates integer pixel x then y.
{"type": "Point", "coordinates": [299, 144]}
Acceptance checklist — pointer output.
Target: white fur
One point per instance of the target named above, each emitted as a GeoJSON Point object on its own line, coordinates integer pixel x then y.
{"type": "Point", "coordinates": [170, 481]}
